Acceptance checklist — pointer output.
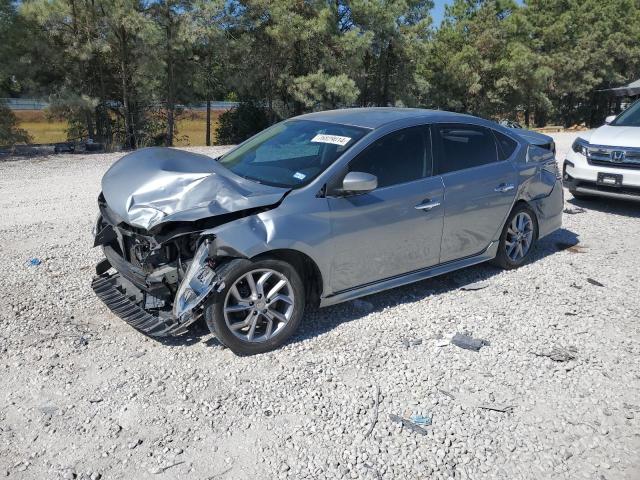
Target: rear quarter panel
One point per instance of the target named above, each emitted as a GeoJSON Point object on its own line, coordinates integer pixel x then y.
{"type": "Point", "coordinates": [542, 189]}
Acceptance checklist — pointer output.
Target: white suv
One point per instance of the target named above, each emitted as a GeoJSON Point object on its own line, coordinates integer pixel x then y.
{"type": "Point", "coordinates": [606, 161]}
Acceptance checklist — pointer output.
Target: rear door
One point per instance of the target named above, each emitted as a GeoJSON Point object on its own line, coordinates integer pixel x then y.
{"type": "Point", "coordinates": [480, 188]}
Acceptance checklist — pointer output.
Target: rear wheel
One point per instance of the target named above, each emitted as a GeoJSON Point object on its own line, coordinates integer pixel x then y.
{"type": "Point", "coordinates": [518, 238]}
{"type": "Point", "coordinates": [260, 307]}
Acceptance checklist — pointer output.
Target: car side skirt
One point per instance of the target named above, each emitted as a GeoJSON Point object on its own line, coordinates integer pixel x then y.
{"type": "Point", "coordinates": [415, 276]}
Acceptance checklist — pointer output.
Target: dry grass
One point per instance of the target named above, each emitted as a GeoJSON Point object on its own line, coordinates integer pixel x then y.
{"type": "Point", "coordinates": [191, 127]}
{"type": "Point", "coordinates": [40, 129]}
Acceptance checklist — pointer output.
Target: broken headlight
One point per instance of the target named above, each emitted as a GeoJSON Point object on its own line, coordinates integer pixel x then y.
{"type": "Point", "coordinates": [198, 282]}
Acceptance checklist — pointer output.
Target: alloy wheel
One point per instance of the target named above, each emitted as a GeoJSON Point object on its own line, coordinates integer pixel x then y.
{"type": "Point", "coordinates": [258, 305]}
{"type": "Point", "coordinates": [519, 236]}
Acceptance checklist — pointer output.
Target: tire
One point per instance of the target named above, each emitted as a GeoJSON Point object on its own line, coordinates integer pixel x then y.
{"type": "Point", "coordinates": [243, 305]}
{"type": "Point", "coordinates": [505, 256]}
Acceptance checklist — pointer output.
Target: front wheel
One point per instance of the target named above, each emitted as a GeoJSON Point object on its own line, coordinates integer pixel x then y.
{"type": "Point", "coordinates": [260, 307]}
{"type": "Point", "coordinates": [518, 237]}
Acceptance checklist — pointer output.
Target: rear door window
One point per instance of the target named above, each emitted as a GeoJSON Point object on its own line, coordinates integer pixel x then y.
{"type": "Point", "coordinates": [506, 145]}
{"type": "Point", "coordinates": [464, 146]}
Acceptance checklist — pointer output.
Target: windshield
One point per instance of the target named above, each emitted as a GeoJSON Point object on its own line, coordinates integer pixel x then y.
{"type": "Point", "coordinates": [291, 153]}
{"type": "Point", "coordinates": [630, 117]}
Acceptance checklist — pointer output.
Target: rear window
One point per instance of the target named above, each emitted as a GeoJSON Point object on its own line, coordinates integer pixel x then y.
{"type": "Point", "coordinates": [506, 145]}
{"type": "Point", "coordinates": [465, 146]}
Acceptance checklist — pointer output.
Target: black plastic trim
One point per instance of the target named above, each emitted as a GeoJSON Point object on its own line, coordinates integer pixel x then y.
{"type": "Point", "coordinates": [122, 298]}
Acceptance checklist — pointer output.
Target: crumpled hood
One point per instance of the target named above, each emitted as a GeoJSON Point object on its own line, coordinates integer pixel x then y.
{"type": "Point", "coordinates": [616, 136]}
{"type": "Point", "coordinates": [156, 185]}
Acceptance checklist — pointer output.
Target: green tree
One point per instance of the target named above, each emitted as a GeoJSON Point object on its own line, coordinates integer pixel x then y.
{"type": "Point", "coordinates": [10, 46]}
{"type": "Point", "coordinates": [279, 48]}
{"type": "Point", "coordinates": [130, 36]}
{"type": "Point", "coordinates": [174, 49]}
{"type": "Point", "coordinates": [240, 123]}
{"type": "Point", "coordinates": [588, 45]}
{"type": "Point", "coordinates": [397, 34]}
{"type": "Point", "coordinates": [108, 71]}
{"type": "Point", "coordinates": [120, 70]}
{"type": "Point", "coordinates": [465, 66]}
{"type": "Point", "coordinates": [73, 41]}
{"type": "Point", "coordinates": [10, 132]}
{"type": "Point", "coordinates": [206, 31]}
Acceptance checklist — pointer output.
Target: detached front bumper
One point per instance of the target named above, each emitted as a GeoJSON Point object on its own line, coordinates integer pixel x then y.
{"type": "Point", "coordinates": [125, 299]}
{"type": "Point", "coordinates": [146, 303]}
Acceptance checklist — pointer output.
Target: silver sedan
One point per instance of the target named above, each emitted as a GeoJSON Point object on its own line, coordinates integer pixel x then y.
{"type": "Point", "coordinates": [318, 209]}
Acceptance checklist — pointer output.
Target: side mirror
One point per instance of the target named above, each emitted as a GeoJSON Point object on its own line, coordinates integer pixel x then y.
{"type": "Point", "coordinates": [609, 119]}
{"type": "Point", "coordinates": [359, 182]}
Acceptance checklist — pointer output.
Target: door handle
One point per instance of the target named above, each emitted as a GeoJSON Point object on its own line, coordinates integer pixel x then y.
{"type": "Point", "coordinates": [428, 205]}
{"type": "Point", "coordinates": [504, 187]}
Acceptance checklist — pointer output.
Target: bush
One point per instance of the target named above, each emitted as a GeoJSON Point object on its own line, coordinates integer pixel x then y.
{"type": "Point", "coordinates": [240, 123]}
{"type": "Point", "coordinates": [10, 134]}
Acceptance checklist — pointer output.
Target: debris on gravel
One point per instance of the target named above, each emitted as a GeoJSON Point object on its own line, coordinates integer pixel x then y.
{"type": "Point", "coordinates": [421, 420]}
{"type": "Point", "coordinates": [595, 282]}
{"type": "Point", "coordinates": [574, 210]}
{"type": "Point", "coordinates": [497, 408]}
{"type": "Point", "coordinates": [475, 286]}
{"type": "Point", "coordinates": [374, 419]}
{"type": "Point", "coordinates": [468, 343]}
{"type": "Point", "coordinates": [411, 342]}
{"type": "Point", "coordinates": [302, 411]}
{"type": "Point", "coordinates": [560, 354]}
{"type": "Point", "coordinates": [408, 424]}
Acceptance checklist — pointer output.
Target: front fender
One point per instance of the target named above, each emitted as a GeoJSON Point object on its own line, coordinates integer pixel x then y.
{"type": "Point", "coordinates": [300, 225]}
{"type": "Point", "coordinates": [304, 230]}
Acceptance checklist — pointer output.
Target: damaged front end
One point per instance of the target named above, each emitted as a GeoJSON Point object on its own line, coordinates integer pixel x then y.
{"type": "Point", "coordinates": [157, 287]}
{"type": "Point", "coordinates": [159, 269]}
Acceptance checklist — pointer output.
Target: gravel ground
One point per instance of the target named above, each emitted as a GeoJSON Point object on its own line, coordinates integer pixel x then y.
{"type": "Point", "coordinates": [85, 396]}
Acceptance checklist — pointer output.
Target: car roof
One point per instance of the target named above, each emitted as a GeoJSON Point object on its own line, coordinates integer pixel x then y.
{"type": "Point", "coordinates": [376, 117]}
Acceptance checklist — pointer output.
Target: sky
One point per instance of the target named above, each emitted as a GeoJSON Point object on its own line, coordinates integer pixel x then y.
{"type": "Point", "coordinates": [438, 10]}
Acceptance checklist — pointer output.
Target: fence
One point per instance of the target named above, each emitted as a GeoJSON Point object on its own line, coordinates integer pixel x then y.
{"type": "Point", "coordinates": [24, 103]}
{"type": "Point", "coordinates": [34, 104]}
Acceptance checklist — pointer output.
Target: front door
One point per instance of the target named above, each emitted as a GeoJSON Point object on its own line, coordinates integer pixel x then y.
{"type": "Point", "coordinates": [479, 188]}
{"type": "Point", "coordinates": [397, 227]}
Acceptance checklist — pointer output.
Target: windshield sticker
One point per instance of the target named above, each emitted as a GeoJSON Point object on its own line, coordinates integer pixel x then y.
{"type": "Point", "coordinates": [334, 139]}
{"type": "Point", "coordinates": [299, 176]}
